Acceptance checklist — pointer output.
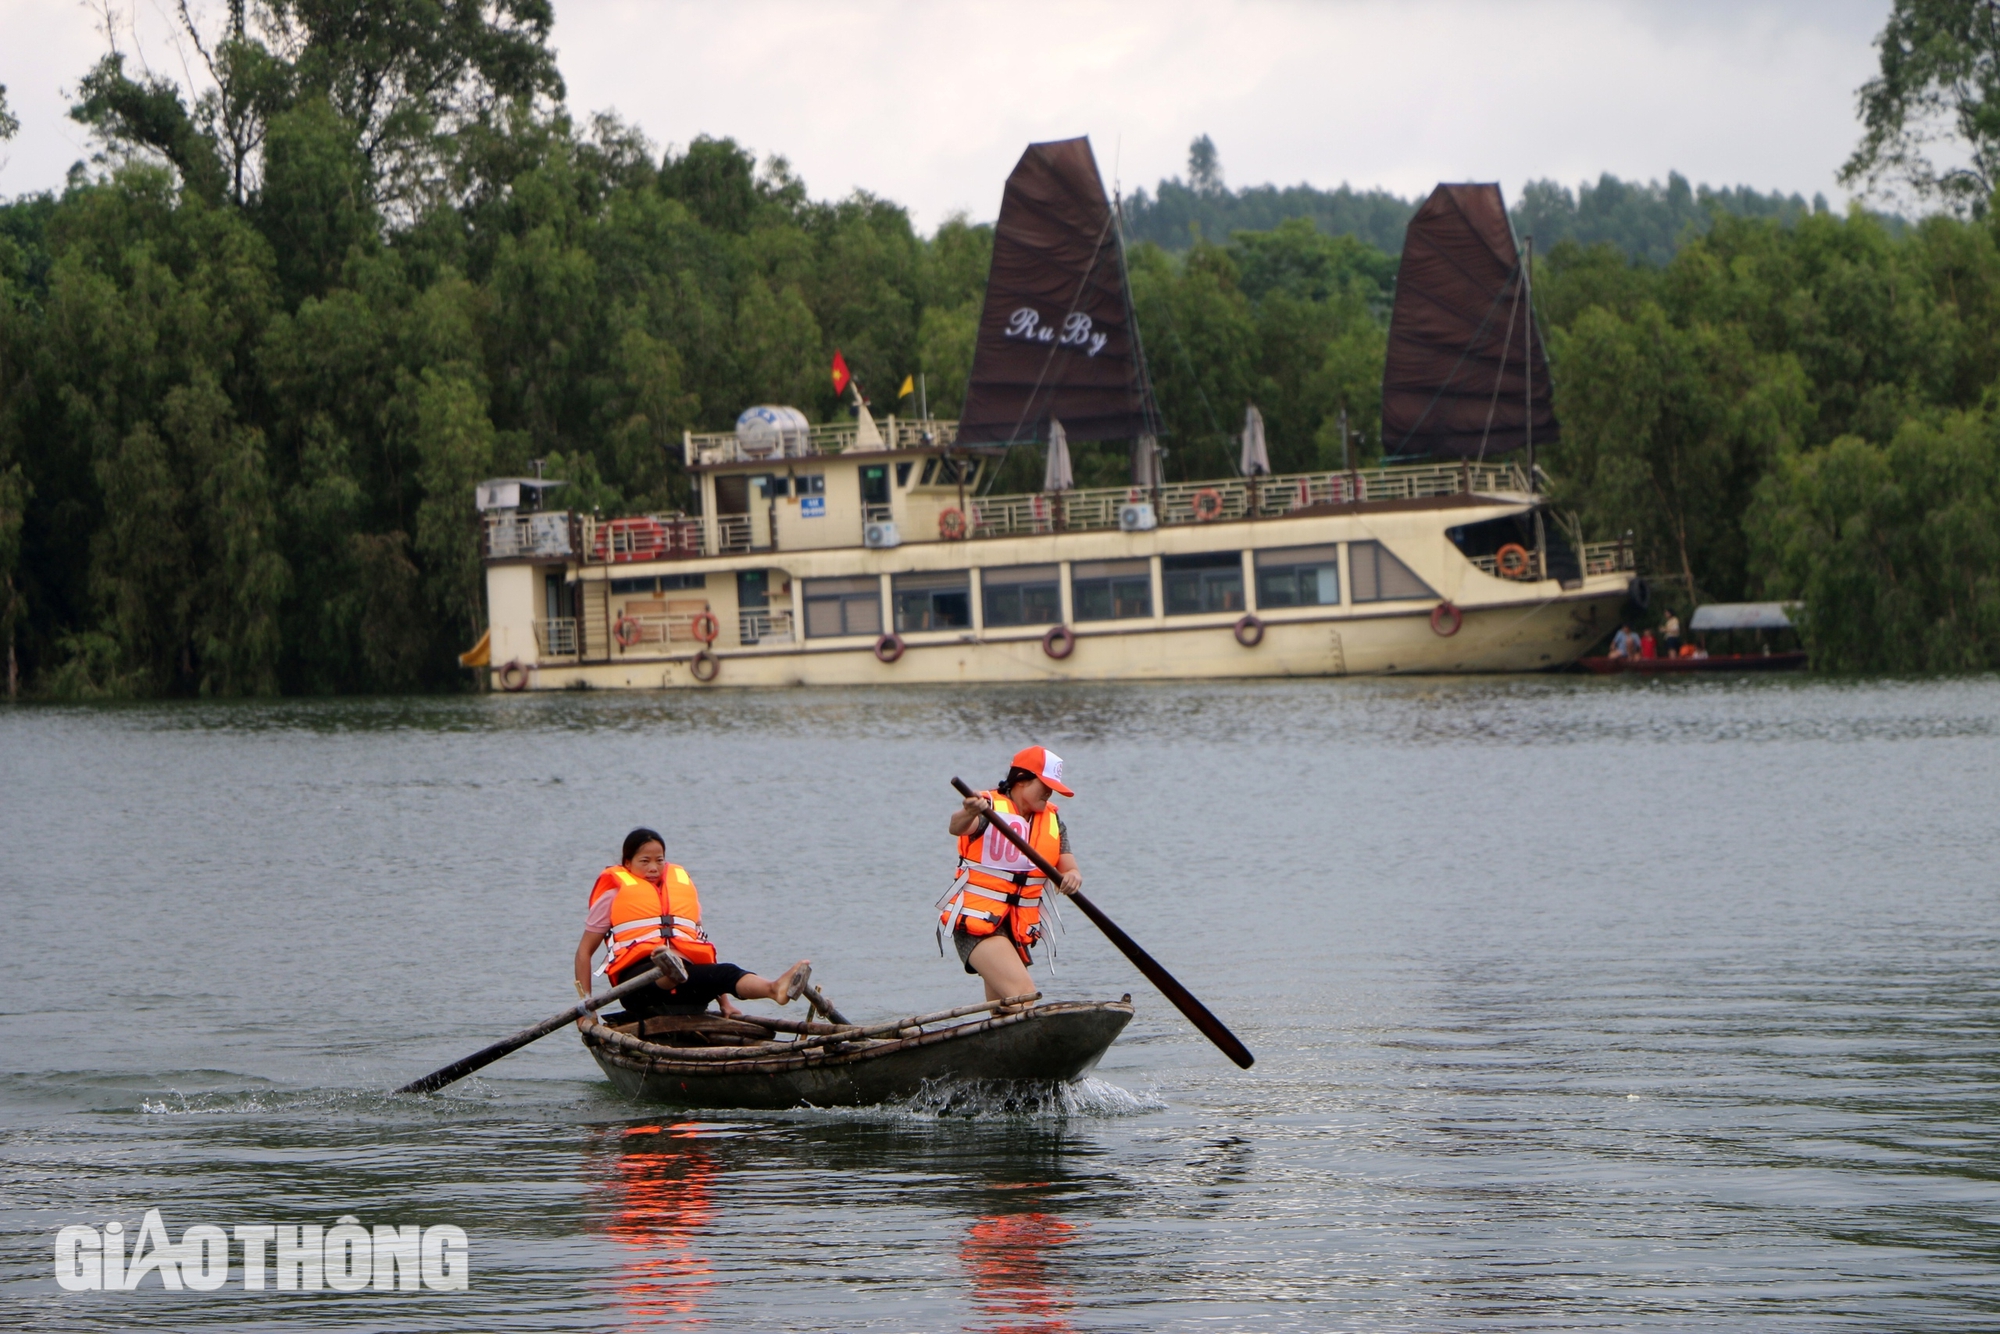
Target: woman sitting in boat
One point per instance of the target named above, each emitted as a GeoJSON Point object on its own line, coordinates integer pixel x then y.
{"type": "Point", "coordinates": [993, 910]}
{"type": "Point", "coordinates": [647, 902]}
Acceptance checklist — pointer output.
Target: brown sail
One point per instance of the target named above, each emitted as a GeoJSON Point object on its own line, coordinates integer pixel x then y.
{"type": "Point", "coordinates": [1057, 338]}
{"type": "Point", "coordinates": [1467, 373]}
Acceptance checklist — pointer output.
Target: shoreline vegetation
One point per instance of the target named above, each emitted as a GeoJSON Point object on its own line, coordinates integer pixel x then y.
{"type": "Point", "coordinates": [255, 355]}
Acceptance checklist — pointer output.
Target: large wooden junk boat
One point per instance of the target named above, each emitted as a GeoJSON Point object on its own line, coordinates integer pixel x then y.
{"type": "Point", "coordinates": [864, 552]}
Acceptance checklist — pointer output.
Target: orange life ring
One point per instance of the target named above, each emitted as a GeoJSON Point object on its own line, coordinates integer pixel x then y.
{"type": "Point", "coordinates": [1445, 619]}
{"type": "Point", "coordinates": [705, 666]}
{"type": "Point", "coordinates": [889, 648]}
{"type": "Point", "coordinates": [1207, 504]}
{"type": "Point", "coordinates": [1249, 631]}
{"type": "Point", "coordinates": [514, 676]}
{"type": "Point", "coordinates": [951, 524]}
{"type": "Point", "coordinates": [626, 630]}
{"type": "Point", "coordinates": [1512, 561]}
{"type": "Point", "coordinates": [1059, 642]}
{"type": "Point", "coordinates": [705, 626]}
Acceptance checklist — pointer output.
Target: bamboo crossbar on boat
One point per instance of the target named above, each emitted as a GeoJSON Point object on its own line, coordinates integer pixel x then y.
{"type": "Point", "coordinates": [793, 1055]}
{"type": "Point", "coordinates": [847, 1033]}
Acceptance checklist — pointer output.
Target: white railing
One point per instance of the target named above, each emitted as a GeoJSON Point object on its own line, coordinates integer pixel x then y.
{"type": "Point", "coordinates": [1607, 557]}
{"type": "Point", "coordinates": [830, 438]}
{"type": "Point", "coordinates": [657, 627]}
{"type": "Point", "coordinates": [764, 626]}
{"type": "Point", "coordinates": [1527, 571]}
{"type": "Point", "coordinates": [733, 532]}
{"type": "Point", "coordinates": [510, 535]}
{"type": "Point", "coordinates": [556, 638]}
{"type": "Point", "coordinates": [639, 537]}
{"type": "Point", "coordinates": [1237, 497]}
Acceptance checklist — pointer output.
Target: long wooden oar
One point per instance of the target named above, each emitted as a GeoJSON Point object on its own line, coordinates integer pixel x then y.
{"type": "Point", "coordinates": [1183, 999]}
{"type": "Point", "coordinates": [486, 1056]}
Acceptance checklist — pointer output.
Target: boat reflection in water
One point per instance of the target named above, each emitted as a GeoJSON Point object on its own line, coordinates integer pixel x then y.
{"type": "Point", "coordinates": [1008, 1257]}
{"type": "Point", "coordinates": [660, 1185]}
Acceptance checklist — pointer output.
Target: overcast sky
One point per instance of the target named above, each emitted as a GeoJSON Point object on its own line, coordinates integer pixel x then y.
{"type": "Point", "coordinates": [929, 103]}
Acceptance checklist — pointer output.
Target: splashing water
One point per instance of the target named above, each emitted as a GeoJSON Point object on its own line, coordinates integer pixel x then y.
{"type": "Point", "coordinates": [973, 1098]}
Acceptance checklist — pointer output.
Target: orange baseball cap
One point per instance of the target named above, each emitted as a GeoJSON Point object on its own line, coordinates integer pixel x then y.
{"type": "Point", "coordinates": [1044, 764]}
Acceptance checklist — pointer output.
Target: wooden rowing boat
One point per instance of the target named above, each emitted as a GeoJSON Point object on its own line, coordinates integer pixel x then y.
{"type": "Point", "coordinates": [707, 1060]}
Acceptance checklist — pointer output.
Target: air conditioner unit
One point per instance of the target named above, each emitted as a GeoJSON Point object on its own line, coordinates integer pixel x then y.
{"type": "Point", "coordinates": [879, 535]}
{"type": "Point", "coordinates": [1137, 517]}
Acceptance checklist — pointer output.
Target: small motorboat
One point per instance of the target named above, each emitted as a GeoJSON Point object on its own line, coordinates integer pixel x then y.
{"type": "Point", "coordinates": [708, 1060]}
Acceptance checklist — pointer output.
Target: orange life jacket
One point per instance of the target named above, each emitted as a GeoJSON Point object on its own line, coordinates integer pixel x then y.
{"type": "Point", "coordinates": [995, 883]}
{"type": "Point", "coordinates": [645, 915]}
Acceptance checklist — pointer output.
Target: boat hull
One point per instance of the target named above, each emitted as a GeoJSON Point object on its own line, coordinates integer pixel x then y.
{"type": "Point", "coordinates": [1549, 632]}
{"type": "Point", "coordinates": [1050, 1043]}
{"type": "Point", "coordinates": [1732, 662]}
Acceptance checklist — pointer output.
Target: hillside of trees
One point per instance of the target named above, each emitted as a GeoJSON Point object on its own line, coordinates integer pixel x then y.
{"type": "Point", "coordinates": [1644, 221]}
{"type": "Point", "coordinates": [253, 361]}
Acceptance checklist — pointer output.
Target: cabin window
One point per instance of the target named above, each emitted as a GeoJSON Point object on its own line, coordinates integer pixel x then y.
{"type": "Point", "coordinates": [903, 475]}
{"type": "Point", "coordinates": [732, 495]}
{"type": "Point", "coordinates": [875, 484]}
{"type": "Point", "coordinates": [556, 599]}
{"type": "Point", "coordinates": [1113, 590]}
{"type": "Point", "coordinates": [1211, 581]}
{"type": "Point", "coordinates": [948, 472]}
{"type": "Point", "coordinates": [659, 583]}
{"type": "Point", "coordinates": [843, 607]}
{"type": "Point", "coordinates": [809, 484]}
{"type": "Point", "coordinates": [1299, 577]}
{"type": "Point", "coordinates": [1379, 577]}
{"type": "Point", "coordinates": [753, 589]}
{"type": "Point", "coordinates": [1022, 595]}
{"type": "Point", "coordinates": [933, 601]}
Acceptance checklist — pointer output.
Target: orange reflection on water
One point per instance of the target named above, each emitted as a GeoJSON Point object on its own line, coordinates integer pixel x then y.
{"type": "Point", "coordinates": [1007, 1256]}
{"type": "Point", "coordinates": [660, 1198]}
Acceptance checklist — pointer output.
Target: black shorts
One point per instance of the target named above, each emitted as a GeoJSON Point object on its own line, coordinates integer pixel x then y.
{"type": "Point", "coordinates": [705, 982]}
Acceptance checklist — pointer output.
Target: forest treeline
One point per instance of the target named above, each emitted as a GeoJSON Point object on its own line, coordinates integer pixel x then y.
{"type": "Point", "coordinates": [1647, 221]}
{"type": "Point", "coordinates": [253, 361]}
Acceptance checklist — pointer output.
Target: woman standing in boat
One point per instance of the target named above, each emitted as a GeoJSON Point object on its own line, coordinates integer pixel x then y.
{"type": "Point", "coordinates": [646, 902]}
{"type": "Point", "coordinates": [993, 910]}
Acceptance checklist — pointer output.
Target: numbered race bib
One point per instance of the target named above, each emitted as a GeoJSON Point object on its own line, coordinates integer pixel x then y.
{"type": "Point", "coordinates": [999, 852]}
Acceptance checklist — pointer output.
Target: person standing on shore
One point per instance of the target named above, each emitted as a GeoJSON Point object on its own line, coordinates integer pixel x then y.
{"type": "Point", "coordinates": [993, 910]}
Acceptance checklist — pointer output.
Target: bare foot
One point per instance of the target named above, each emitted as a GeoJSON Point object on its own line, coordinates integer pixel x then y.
{"type": "Point", "coordinates": [792, 982]}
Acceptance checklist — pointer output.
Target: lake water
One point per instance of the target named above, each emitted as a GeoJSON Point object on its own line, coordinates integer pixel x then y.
{"type": "Point", "coordinates": [1578, 1003]}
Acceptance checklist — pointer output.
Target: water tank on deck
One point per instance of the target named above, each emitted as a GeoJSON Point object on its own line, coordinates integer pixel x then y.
{"type": "Point", "coordinates": [767, 432]}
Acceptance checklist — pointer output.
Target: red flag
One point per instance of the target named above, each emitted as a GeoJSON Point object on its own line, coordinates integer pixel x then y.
{"type": "Point", "coordinates": [840, 375]}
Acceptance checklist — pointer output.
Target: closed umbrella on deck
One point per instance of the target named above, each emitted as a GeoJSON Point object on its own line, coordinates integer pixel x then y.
{"type": "Point", "coordinates": [1255, 460]}
{"type": "Point", "coordinates": [1057, 477]}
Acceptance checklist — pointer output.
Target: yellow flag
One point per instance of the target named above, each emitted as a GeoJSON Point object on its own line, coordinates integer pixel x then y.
{"type": "Point", "coordinates": [909, 387]}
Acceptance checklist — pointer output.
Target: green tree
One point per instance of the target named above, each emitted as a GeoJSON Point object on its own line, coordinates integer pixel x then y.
{"type": "Point", "coordinates": [1667, 431]}
{"type": "Point", "coordinates": [1895, 551]}
{"type": "Point", "coordinates": [1938, 85]}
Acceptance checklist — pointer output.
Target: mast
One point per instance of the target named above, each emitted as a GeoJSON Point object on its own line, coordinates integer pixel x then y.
{"type": "Point", "coordinates": [1148, 443]}
{"type": "Point", "coordinates": [1528, 406]}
